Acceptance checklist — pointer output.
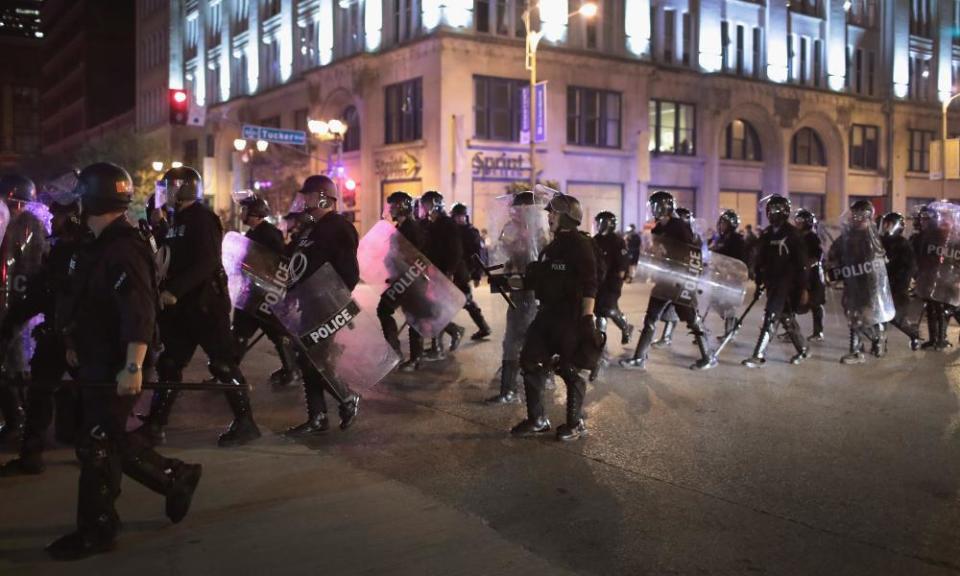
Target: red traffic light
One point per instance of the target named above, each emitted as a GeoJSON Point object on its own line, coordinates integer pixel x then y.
{"type": "Point", "coordinates": [178, 106]}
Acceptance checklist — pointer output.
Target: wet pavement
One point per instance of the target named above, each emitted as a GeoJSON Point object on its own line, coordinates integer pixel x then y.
{"type": "Point", "coordinates": [813, 469]}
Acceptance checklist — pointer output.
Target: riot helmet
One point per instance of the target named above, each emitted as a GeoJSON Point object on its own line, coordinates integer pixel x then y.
{"type": "Point", "coordinates": [459, 213]}
{"type": "Point", "coordinates": [525, 198]}
{"type": "Point", "coordinates": [255, 207]}
{"type": "Point", "coordinates": [179, 186]}
{"type": "Point", "coordinates": [318, 192]}
{"type": "Point", "coordinates": [568, 211]}
{"type": "Point", "coordinates": [606, 222]}
{"type": "Point", "coordinates": [17, 189]}
{"type": "Point", "coordinates": [400, 205]}
{"type": "Point", "coordinates": [861, 213]}
{"type": "Point", "coordinates": [777, 209]}
{"type": "Point", "coordinates": [431, 203]}
{"type": "Point", "coordinates": [805, 219]}
{"type": "Point", "coordinates": [893, 224]}
{"type": "Point", "coordinates": [685, 214]}
{"type": "Point", "coordinates": [730, 219]}
{"type": "Point", "coordinates": [104, 188]}
{"type": "Point", "coordinates": [662, 205]}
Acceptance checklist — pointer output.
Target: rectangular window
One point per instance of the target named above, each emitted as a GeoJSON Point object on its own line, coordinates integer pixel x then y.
{"type": "Point", "coordinates": [241, 16]}
{"type": "Point", "coordinates": [757, 46]}
{"type": "Point", "coordinates": [497, 103]}
{"type": "Point", "coordinates": [481, 15]}
{"type": "Point", "coordinates": [593, 117]}
{"type": "Point", "coordinates": [858, 72]}
{"type": "Point", "coordinates": [803, 59]}
{"type": "Point", "coordinates": [864, 149]}
{"type": "Point", "coordinates": [740, 49]}
{"type": "Point", "coordinates": [406, 20]}
{"type": "Point", "coordinates": [919, 150]}
{"type": "Point", "coordinates": [403, 111]}
{"type": "Point", "coordinates": [685, 37]}
{"type": "Point", "coordinates": [669, 32]}
{"type": "Point", "coordinates": [817, 55]}
{"type": "Point", "coordinates": [672, 128]}
{"type": "Point", "coordinates": [211, 146]}
{"type": "Point", "coordinates": [725, 45]}
{"type": "Point", "coordinates": [213, 23]}
{"type": "Point", "coordinates": [270, 8]}
{"type": "Point", "coordinates": [791, 65]}
{"type": "Point", "coordinates": [500, 17]}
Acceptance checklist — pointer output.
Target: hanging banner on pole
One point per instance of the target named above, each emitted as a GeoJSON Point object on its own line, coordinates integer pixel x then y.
{"type": "Point", "coordinates": [540, 101]}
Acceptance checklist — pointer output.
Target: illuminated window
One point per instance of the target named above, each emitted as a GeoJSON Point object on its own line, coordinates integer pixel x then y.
{"type": "Point", "coordinates": [864, 148]}
{"type": "Point", "coordinates": [403, 111]}
{"type": "Point", "coordinates": [920, 150]}
{"type": "Point", "coordinates": [806, 149]}
{"type": "Point", "coordinates": [672, 128]}
{"type": "Point", "coordinates": [500, 17]}
{"type": "Point", "coordinates": [741, 142]}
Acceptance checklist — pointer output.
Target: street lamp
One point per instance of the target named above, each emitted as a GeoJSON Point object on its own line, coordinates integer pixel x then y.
{"type": "Point", "coordinates": [262, 145]}
{"type": "Point", "coordinates": [587, 10]}
{"type": "Point", "coordinates": [176, 164]}
{"type": "Point", "coordinates": [239, 144]}
{"type": "Point", "coordinates": [157, 166]}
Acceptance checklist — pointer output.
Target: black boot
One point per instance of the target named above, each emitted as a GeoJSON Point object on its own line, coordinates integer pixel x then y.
{"type": "Point", "coordinates": [243, 429]}
{"type": "Point", "coordinates": [317, 421]}
{"type": "Point", "coordinates": [793, 333]}
{"type": "Point", "coordinates": [639, 360]}
{"type": "Point", "coordinates": [942, 325]}
{"type": "Point", "coordinates": [456, 333]}
{"type": "Point", "coordinates": [626, 328]}
{"type": "Point", "coordinates": [161, 405]}
{"type": "Point", "coordinates": [667, 337]}
{"type": "Point", "coordinates": [536, 422]}
{"type": "Point", "coordinates": [171, 478]}
{"type": "Point", "coordinates": [878, 342]}
{"type": "Point", "coordinates": [348, 411]}
{"type": "Point", "coordinates": [508, 384]}
{"type": "Point", "coordinates": [758, 358]}
{"type": "Point", "coordinates": [729, 323]}
{"type": "Point", "coordinates": [934, 317]}
{"type": "Point", "coordinates": [476, 314]}
{"type": "Point", "coordinates": [707, 359]}
{"type": "Point", "coordinates": [817, 335]}
{"type": "Point", "coordinates": [574, 428]}
{"type": "Point", "coordinates": [855, 355]}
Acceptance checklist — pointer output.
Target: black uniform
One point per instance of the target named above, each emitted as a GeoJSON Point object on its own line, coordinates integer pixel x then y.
{"type": "Point", "coordinates": [330, 239]}
{"type": "Point", "coordinates": [201, 317]}
{"type": "Point", "coordinates": [116, 304]}
{"type": "Point", "coordinates": [781, 268]}
{"type": "Point", "coordinates": [565, 274]}
{"type": "Point", "coordinates": [634, 243]}
{"type": "Point", "coordinates": [444, 248]}
{"type": "Point", "coordinates": [471, 245]}
{"type": "Point", "coordinates": [677, 238]}
{"type": "Point", "coordinates": [733, 246]}
{"type": "Point", "coordinates": [816, 286]}
{"type": "Point", "coordinates": [926, 245]}
{"type": "Point", "coordinates": [901, 267]}
{"type": "Point", "coordinates": [416, 235]}
{"type": "Point", "coordinates": [48, 293]}
{"type": "Point", "coordinates": [615, 265]}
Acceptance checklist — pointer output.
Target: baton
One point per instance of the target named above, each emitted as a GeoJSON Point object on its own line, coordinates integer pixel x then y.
{"type": "Point", "coordinates": [729, 336]}
{"type": "Point", "coordinates": [107, 384]}
{"type": "Point", "coordinates": [488, 271]}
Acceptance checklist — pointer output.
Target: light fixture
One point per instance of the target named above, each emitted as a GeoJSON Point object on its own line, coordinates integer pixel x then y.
{"type": "Point", "coordinates": [318, 127]}
{"type": "Point", "coordinates": [157, 166]}
{"type": "Point", "coordinates": [239, 144]}
{"type": "Point", "coordinates": [847, 5]}
{"type": "Point", "coordinates": [337, 127]}
{"type": "Point", "coordinates": [588, 10]}
{"type": "Point", "coordinates": [176, 164]}
{"type": "Point", "coordinates": [262, 145]}
{"type": "Point", "coordinates": [351, 184]}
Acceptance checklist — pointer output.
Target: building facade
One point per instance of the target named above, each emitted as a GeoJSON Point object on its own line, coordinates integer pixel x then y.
{"type": "Point", "coordinates": [87, 70]}
{"type": "Point", "coordinates": [718, 101]}
{"type": "Point", "coordinates": [20, 40]}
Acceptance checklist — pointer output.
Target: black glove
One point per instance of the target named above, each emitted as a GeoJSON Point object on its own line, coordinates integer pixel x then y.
{"type": "Point", "coordinates": [591, 343]}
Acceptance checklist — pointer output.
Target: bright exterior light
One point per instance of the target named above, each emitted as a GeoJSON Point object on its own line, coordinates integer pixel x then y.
{"type": "Point", "coordinates": [180, 96]}
{"type": "Point", "coordinates": [239, 144]}
{"type": "Point", "coordinates": [318, 127]}
{"type": "Point", "coordinates": [157, 166]}
{"type": "Point", "coordinates": [351, 184]}
{"type": "Point", "coordinates": [337, 127]}
{"type": "Point", "coordinates": [925, 73]}
{"type": "Point", "coordinates": [176, 164]}
{"type": "Point", "coordinates": [847, 6]}
{"type": "Point", "coordinates": [588, 10]}
{"type": "Point", "coordinates": [262, 145]}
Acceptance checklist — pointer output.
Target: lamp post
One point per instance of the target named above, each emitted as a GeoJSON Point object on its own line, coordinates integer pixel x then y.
{"type": "Point", "coordinates": [587, 10]}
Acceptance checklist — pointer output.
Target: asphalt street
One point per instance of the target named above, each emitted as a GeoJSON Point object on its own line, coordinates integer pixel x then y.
{"type": "Point", "coordinates": [819, 469]}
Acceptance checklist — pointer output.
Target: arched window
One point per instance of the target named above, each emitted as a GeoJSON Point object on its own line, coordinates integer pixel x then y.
{"type": "Point", "coordinates": [741, 142]}
{"type": "Point", "coordinates": [807, 149]}
{"type": "Point", "coordinates": [351, 140]}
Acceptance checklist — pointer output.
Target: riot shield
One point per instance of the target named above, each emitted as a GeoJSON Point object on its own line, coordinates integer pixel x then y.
{"type": "Point", "coordinates": [429, 299]}
{"type": "Point", "coordinates": [681, 274]}
{"type": "Point", "coordinates": [341, 339]}
{"type": "Point", "coordinates": [520, 233]}
{"type": "Point", "coordinates": [938, 263]}
{"type": "Point", "coordinates": [857, 259]}
{"type": "Point", "coordinates": [256, 276]}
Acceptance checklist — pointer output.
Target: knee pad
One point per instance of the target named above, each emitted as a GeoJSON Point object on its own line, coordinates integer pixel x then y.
{"type": "Point", "coordinates": [224, 371]}
{"type": "Point", "coordinates": [168, 369]}
{"type": "Point", "coordinates": [93, 447]}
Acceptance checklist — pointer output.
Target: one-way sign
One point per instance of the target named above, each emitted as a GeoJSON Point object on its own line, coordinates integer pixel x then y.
{"type": "Point", "coordinates": [276, 135]}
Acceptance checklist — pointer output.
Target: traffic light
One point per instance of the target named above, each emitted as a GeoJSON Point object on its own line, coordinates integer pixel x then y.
{"type": "Point", "coordinates": [179, 105]}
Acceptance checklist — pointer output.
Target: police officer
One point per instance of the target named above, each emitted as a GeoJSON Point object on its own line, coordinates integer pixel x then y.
{"type": "Point", "coordinates": [806, 223]}
{"type": "Point", "coordinates": [445, 250]}
{"type": "Point", "coordinates": [565, 282]}
{"type": "Point", "coordinates": [521, 240]}
{"type": "Point", "coordinates": [781, 269]}
{"type": "Point", "coordinates": [634, 244]}
{"type": "Point", "coordinates": [676, 237]}
{"type": "Point", "coordinates": [109, 331]}
{"type": "Point", "coordinates": [400, 205]}
{"type": "Point", "coordinates": [901, 267]}
{"type": "Point", "coordinates": [23, 245]}
{"type": "Point", "coordinates": [329, 237]}
{"type": "Point", "coordinates": [616, 265]}
{"type": "Point", "coordinates": [47, 293]}
{"type": "Point", "coordinates": [472, 246]}
{"type": "Point", "coordinates": [253, 214]}
{"type": "Point", "coordinates": [729, 242]}
{"type": "Point", "coordinates": [669, 317]}
{"type": "Point", "coordinates": [931, 236]}
{"type": "Point", "coordinates": [196, 309]}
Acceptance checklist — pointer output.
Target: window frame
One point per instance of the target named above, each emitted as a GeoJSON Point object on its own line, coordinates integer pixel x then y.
{"type": "Point", "coordinates": [657, 105]}
{"type": "Point", "coordinates": [484, 130]}
{"type": "Point", "coordinates": [581, 118]}
{"type": "Point", "coordinates": [749, 135]}
{"type": "Point", "coordinates": [814, 140]}
{"type": "Point", "coordinates": [862, 157]}
{"type": "Point", "coordinates": [921, 154]}
{"type": "Point", "coordinates": [403, 126]}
